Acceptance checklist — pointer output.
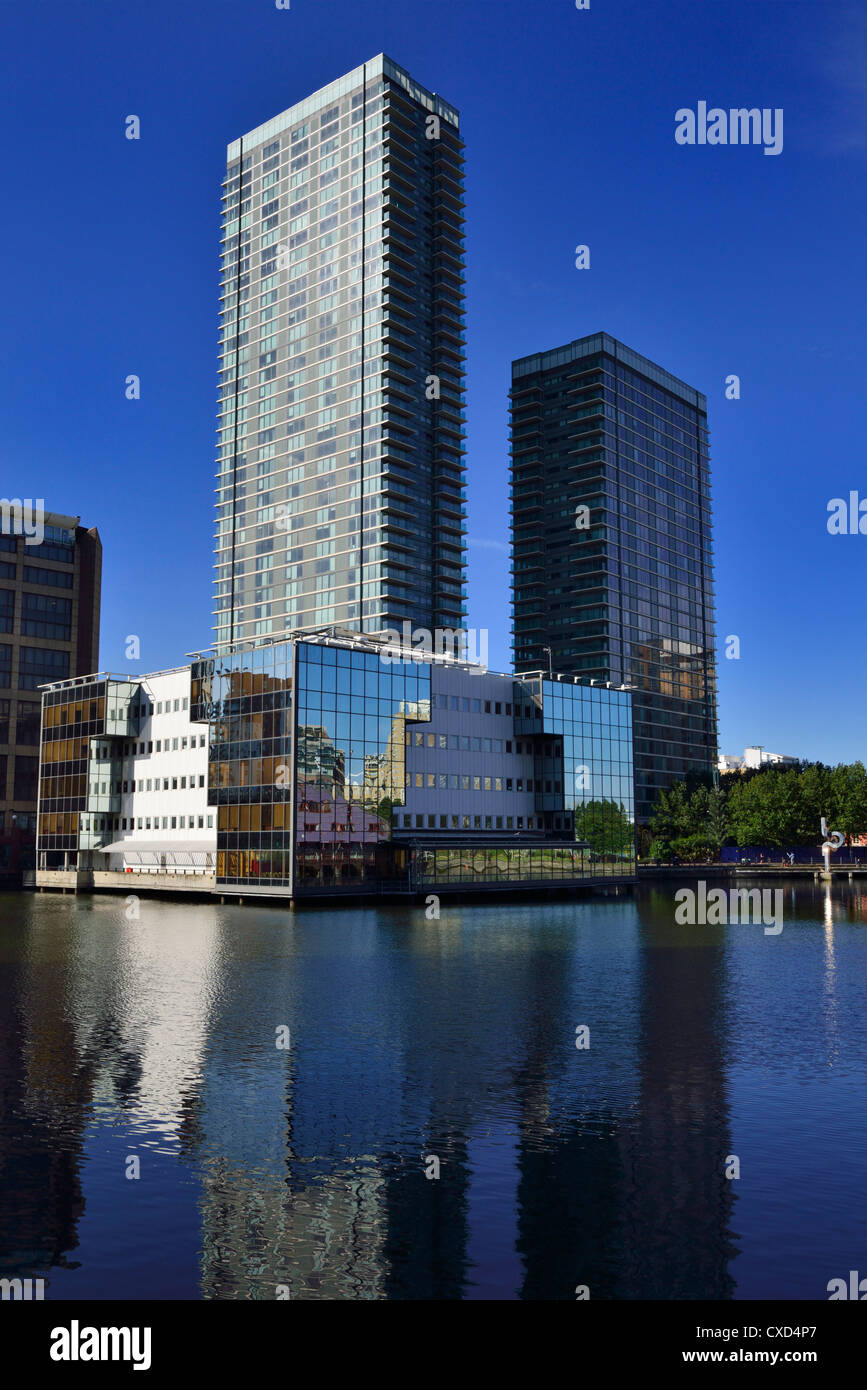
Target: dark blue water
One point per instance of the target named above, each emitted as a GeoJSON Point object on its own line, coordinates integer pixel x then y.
{"type": "Point", "coordinates": [305, 1168]}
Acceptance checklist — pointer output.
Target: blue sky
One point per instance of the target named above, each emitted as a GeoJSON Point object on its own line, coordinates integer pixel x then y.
{"type": "Point", "coordinates": [711, 260]}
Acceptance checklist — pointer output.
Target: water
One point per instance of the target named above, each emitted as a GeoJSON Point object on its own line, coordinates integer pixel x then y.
{"type": "Point", "coordinates": [412, 1040]}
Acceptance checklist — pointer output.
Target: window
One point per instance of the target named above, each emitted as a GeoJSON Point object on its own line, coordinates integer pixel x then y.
{"type": "Point", "coordinates": [37, 666]}
{"type": "Point", "coordinates": [7, 610]}
{"type": "Point", "coordinates": [25, 778]}
{"type": "Point", "coordinates": [58, 579]}
{"type": "Point", "coordinates": [29, 720]}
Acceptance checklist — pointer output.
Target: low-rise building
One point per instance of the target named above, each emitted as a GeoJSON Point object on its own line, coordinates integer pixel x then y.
{"type": "Point", "coordinates": [338, 764]}
{"type": "Point", "coordinates": [754, 757]}
{"type": "Point", "coordinates": [123, 783]}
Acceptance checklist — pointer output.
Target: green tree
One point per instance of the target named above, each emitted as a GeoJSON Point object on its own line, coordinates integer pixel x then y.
{"type": "Point", "coordinates": [605, 826]}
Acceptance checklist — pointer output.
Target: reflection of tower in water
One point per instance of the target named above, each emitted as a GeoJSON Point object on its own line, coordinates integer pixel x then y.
{"type": "Point", "coordinates": [631, 1200]}
{"type": "Point", "coordinates": [43, 1075]}
{"type": "Point", "coordinates": [678, 1202]}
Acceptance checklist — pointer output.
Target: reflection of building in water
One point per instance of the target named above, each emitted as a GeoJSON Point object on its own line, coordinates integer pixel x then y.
{"type": "Point", "coordinates": [313, 1164]}
{"type": "Point", "coordinates": [629, 1197]}
{"type": "Point", "coordinates": [680, 1203]}
{"type": "Point", "coordinates": [46, 1096]}
{"type": "Point", "coordinates": [116, 1029]}
{"type": "Point", "coordinates": [321, 1242]}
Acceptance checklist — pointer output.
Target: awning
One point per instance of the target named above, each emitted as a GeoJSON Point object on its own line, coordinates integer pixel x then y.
{"type": "Point", "coordinates": [159, 847]}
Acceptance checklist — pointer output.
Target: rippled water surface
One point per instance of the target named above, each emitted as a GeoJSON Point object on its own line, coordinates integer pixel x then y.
{"type": "Point", "coordinates": [412, 1041]}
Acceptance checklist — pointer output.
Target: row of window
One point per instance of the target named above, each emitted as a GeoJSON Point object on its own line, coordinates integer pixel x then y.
{"type": "Point", "coordinates": [464, 822]}
{"type": "Point", "coordinates": [168, 823]}
{"type": "Point", "coordinates": [142, 710]}
{"type": "Point", "coordinates": [465, 782]}
{"type": "Point", "coordinates": [52, 548]}
{"type": "Point", "coordinates": [416, 738]}
{"type": "Point", "coordinates": [142, 785]}
{"type": "Point", "coordinates": [161, 745]}
{"type": "Point", "coordinates": [36, 666]}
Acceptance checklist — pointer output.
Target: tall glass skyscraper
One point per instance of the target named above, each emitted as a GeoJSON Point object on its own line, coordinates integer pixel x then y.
{"type": "Point", "coordinates": [612, 572]}
{"type": "Point", "coordinates": [340, 472]}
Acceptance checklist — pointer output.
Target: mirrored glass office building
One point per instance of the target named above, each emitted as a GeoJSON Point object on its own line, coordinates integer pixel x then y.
{"type": "Point", "coordinates": [345, 765]}
{"type": "Point", "coordinates": [340, 472]}
{"type": "Point", "coordinates": [612, 568]}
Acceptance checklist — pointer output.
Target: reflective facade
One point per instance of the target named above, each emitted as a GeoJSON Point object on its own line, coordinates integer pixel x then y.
{"type": "Point", "coordinates": [248, 699]}
{"type": "Point", "coordinates": [624, 591]}
{"type": "Point", "coordinates": [85, 728]}
{"type": "Point", "coordinates": [340, 474]}
{"type": "Point", "coordinates": [361, 709]}
{"type": "Point", "coordinates": [339, 767]}
{"type": "Point", "coordinates": [591, 759]}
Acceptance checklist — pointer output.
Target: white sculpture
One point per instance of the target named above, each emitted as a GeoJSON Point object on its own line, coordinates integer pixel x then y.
{"type": "Point", "coordinates": [833, 840]}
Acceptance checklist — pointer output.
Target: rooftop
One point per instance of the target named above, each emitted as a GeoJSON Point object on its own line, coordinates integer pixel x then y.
{"type": "Point", "coordinates": [379, 66]}
{"type": "Point", "coordinates": [603, 342]}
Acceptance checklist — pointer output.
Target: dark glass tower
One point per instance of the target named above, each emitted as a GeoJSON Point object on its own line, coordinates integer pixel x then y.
{"type": "Point", "coordinates": [340, 471]}
{"type": "Point", "coordinates": [612, 573]}
{"type": "Point", "coordinates": [49, 630]}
